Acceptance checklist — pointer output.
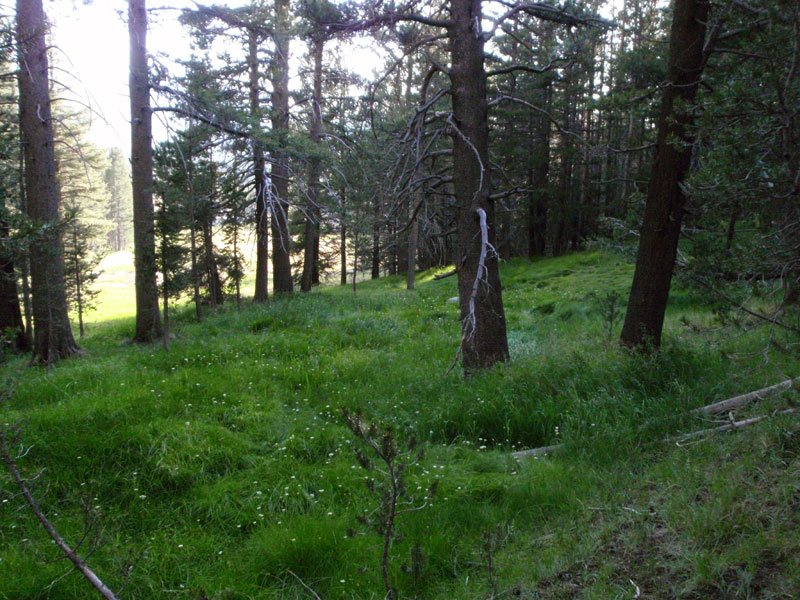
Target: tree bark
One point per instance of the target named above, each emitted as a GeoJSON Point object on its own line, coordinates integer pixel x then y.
{"type": "Point", "coordinates": [148, 318]}
{"type": "Point", "coordinates": [259, 169]}
{"type": "Point", "coordinates": [661, 227]}
{"type": "Point", "coordinates": [281, 242]}
{"type": "Point", "coordinates": [53, 339]}
{"type": "Point", "coordinates": [483, 340]}
{"type": "Point", "coordinates": [311, 249]}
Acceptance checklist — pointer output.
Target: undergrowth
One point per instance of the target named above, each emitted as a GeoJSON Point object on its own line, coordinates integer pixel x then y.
{"type": "Point", "coordinates": [222, 465]}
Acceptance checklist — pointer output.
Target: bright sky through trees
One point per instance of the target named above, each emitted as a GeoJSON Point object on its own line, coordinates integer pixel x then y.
{"type": "Point", "coordinates": [92, 49]}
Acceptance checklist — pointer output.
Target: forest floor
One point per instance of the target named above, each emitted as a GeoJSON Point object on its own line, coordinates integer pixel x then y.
{"type": "Point", "coordinates": [221, 468]}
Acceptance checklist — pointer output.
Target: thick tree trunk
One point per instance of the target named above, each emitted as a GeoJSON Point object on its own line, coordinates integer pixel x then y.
{"type": "Point", "coordinates": [281, 243]}
{"type": "Point", "coordinates": [259, 178]}
{"type": "Point", "coordinates": [311, 249]}
{"type": "Point", "coordinates": [148, 318]}
{"type": "Point", "coordinates": [661, 227]}
{"type": "Point", "coordinates": [483, 323]}
{"type": "Point", "coordinates": [53, 339]}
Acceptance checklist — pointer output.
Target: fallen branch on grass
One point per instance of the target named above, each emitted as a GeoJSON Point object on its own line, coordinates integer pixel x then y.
{"type": "Point", "coordinates": [68, 552]}
{"type": "Point", "coordinates": [443, 275]}
{"type": "Point", "coordinates": [737, 401]}
{"type": "Point", "coordinates": [304, 584]}
{"type": "Point", "coordinates": [727, 427]}
{"type": "Point", "coordinates": [711, 409]}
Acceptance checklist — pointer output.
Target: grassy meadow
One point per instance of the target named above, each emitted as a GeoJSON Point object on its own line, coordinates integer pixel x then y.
{"type": "Point", "coordinates": [221, 468]}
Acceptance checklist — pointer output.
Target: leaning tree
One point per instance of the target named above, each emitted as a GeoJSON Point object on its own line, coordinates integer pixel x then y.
{"type": "Point", "coordinates": [666, 196]}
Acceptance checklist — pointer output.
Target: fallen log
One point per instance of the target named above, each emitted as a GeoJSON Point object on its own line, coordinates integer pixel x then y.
{"type": "Point", "coordinates": [711, 409]}
{"type": "Point", "coordinates": [737, 401]}
{"type": "Point", "coordinates": [534, 452]}
{"type": "Point", "coordinates": [443, 275]}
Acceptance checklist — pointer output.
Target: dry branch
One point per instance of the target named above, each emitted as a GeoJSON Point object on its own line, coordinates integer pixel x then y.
{"type": "Point", "coordinates": [727, 427]}
{"type": "Point", "coordinates": [737, 401]}
{"type": "Point", "coordinates": [711, 409]}
{"type": "Point", "coordinates": [66, 550]}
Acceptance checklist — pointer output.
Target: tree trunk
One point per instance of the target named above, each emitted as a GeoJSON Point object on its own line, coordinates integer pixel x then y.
{"type": "Point", "coordinates": [343, 253]}
{"type": "Point", "coordinates": [483, 340]}
{"type": "Point", "coordinates": [165, 291]}
{"type": "Point", "coordinates": [376, 238]}
{"type": "Point", "coordinates": [731, 232]}
{"type": "Point", "coordinates": [78, 292]}
{"type": "Point", "coordinates": [413, 235]}
{"type": "Point", "coordinates": [281, 243]}
{"type": "Point", "coordinates": [538, 173]}
{"type": "Point", "coordinates": [313, 214]}
{"type": "Point", "coordinates": [215, 292]}
{"type": "Point", "coordinates": [198, 306]}
{"type": "Point", "coordinates": [148, 318]}
{"type": "Point", "coordinates": [10, 313]}
{"type": "Point", "coordinates": [237, 261]}
{"type": "Point", "coordinates": [27, 307]}
{"type": "Point", "coordinates": [661, 227]}
{"type": "Point", "coordinates": [401, 238]}
{"type": "Point", "coordinates": [259, 179]}
{"type": "Point", "coordinates": [53, 338]}
{"type": "Point", "coordinates": [391, 226]}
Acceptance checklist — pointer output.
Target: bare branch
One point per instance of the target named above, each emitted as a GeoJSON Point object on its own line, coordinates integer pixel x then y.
{"type": "Point", "coordinates": [68, 552]}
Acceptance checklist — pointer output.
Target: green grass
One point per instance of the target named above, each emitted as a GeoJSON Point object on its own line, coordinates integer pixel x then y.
{"type": "Point", "coordinates": [220, 465]}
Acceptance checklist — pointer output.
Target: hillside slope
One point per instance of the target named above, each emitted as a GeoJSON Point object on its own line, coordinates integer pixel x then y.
{"type": "Point", "coordinates": [222, 469]}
